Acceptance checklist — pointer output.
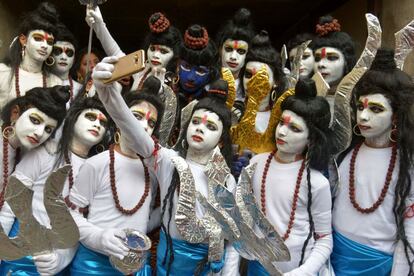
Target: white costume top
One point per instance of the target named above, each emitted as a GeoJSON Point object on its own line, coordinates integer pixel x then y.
{"type": "Point", "coordinates": [280, 187]}
{"type": "Point", "coordinates": [92, 188]}
{"type": "Point", "coordinates": [33, 170]}
{"type": "Point", "coordinates": [379, 229]}
{"type": "Point", "coordinates": [27, 81]}
{"type": "Point", "coordinates": [139, 141]}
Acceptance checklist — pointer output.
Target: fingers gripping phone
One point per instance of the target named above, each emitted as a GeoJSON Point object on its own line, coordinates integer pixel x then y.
{"type": "Point", "coordinates": [127, 66]}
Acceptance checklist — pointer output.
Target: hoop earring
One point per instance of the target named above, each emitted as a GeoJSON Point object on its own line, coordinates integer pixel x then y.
{"type": "Point", "coordinates": [99, 148]}
{"type": "Point", "coordinates": [393, 138]}
{"type": "Point", "coordinates": [176, 79]}
{"type": "Point", "coordinates": [23, 53]}
{"type": "Point", "coordinates": [184, 144]}
{"type": "Point", "coordinates": [355, 132]}
{"type": "Point", "coordinates": [50, 61]}
{"type": "Point", "coordinates": [117, 137]}
{"type": "Point", "coordinates": [9, 132]}
{"type": "Point", "coordinates": [273, 94]}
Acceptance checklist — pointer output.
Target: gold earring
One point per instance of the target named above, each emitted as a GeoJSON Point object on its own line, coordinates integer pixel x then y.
{"type": "Point", "coordinates": [393, 138]}
{"type": "Point", "coordinates": [9, 132]}
{"type": "Point", "coordinates": [117, 137]}
{"type": "Point", "coordinates": [355, 132]}
{"type": "Point", "coordinates": [50, 61]}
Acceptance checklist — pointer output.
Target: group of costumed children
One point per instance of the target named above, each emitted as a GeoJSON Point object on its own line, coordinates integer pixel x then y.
{"type": "Point", "coordinates": [197, 98]}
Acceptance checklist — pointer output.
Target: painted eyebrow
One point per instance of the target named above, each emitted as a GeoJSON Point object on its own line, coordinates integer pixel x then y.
{"type": "Point", "coordinates": [209, 121]}
{"type": "Point", "coordinates": [296, 126]}
{"type": "Point", "coordinates": [40, 118]}
{"type": "Point", "coordinates": [373, 104]}
{"type": "Point", "coordinates": [142, 113]}
{"type": "Point", "coordinates": [42, 35]}
{"type": "Point", "coordinates": [239, 46]}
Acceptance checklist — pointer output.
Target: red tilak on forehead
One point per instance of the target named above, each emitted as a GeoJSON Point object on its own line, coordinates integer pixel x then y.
{"type": "Point", "coordinates": [101, 116]}
{"type": "Point", "coordinates": [204, 119]}
{"type": "Point", "coordinates": [323, 53]}
{"type": "Point", "coordinates": [157, 47]}
{"type": "Point", "coordinates": [286, 120]}
{"type": "Point", "coordinates": [365, 103]}
{"type": "Point", "coordinates": [235, 44]}
{"type": "Point", "coordinates": [46, 36]}
{"type": "Point", "coordinates": [148, 115]}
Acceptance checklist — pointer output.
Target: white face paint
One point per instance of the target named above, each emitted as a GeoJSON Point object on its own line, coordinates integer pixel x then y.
{"type": "Point", "coordinates": [374, 116]}
{"type": "Point", "coordinates": [233, 54]}
{"type": "Point", "coordinates": [159, 55]}
{"type": "Point", "coordinates": [34, 127]}
{"type": "Point", "coordinates": [64, 54]}
{"type": "Point", "coordinates": [39, 45]}
{"type": "Point", "coordinates": [146, 114]}
{"type": "Point", "coordinates": [291, 134]}
{"type": "Point", "coordinates": [90, 127]}
{"type": "Point", "coordinates": [306, 64]}
{"type": "Point", "coordinates": [330, 62]}
{"type": "Point", "coordinates": [252, 67]}
{"type": "Point", "coordinates": [204, 131]}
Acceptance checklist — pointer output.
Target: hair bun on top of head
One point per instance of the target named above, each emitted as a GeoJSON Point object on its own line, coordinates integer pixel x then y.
{"type": "Point", "coordinates": [48, 11]}
{"type": "Point", "coordinates": [261, 40]}
{"type": "Point", "coordinates": [196, 37]}
{"type": "Point", "coordinates": [60, 93]}
{"type": "Point", "coordinates": [218, 90]}
{"type": "Point", "coordinates": [305, 88]}
{"type": "Point", "coordinates": [327, 24]}
{"type": "Point", "coordinates": [158, 23]}
{"type": "Point", "coordinates": [384, 60]}
{"type": "Point", "coordinates": [242, 17]}
{"type": "Point", "coordinates": [151, 85]}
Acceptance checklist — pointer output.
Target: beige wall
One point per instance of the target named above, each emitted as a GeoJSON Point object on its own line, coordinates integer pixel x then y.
{"type": "Point", "coordinates": [7, 24]}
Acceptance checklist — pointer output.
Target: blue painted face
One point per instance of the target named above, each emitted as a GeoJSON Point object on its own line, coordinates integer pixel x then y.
{"type": "Point", "coordinates": [193, 77]}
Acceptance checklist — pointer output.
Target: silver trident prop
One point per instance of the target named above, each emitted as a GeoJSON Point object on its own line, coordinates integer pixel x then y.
{"type": "Point", "coordinates": [34, 238]}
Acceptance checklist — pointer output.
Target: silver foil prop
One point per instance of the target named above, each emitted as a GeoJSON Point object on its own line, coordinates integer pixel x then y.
{"type": "Point", "coordinates": [189, 226]}
{"type": "Point", "coordinates": [185, 118]}
{"type": "Point", "coordinates": [294, 73]}
{"type": "Point", "coordinates": [284, 55]}
{"type": "Point", "coordinates": [267, 247]}
{"type": "Point", "coordinates": [34, 238]}
{"type": "Point", "coordinates": [168, 119]}
{"type": "Point", "coordinates": [138, 244]}
{"type": "Point", "coordinates": [404, 43]}
{"type": "Point", "coordinates": [373, 42]}
{"type": "Point", "coordinates": [322, 87]}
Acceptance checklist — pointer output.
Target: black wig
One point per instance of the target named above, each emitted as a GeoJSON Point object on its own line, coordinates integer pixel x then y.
{"type": "Point", "coordinates": [384, 78]}
{"type": "Point", "coordinates": [214, 101]}
{"type": "Point", "coordinates": [45, 18]}
{"type": "Point", "coordinates": [261, 50]}
{"type": "Point", "coordinates": [163, 33]}
{"type": "Point", "coordinates": [64, 34]}
{"type": "Point", "coordinates": [330, 35]}
{"type": "Point", "coordinates": [51, 101]}
{"type": "Point", "coordinates": [315, 111]}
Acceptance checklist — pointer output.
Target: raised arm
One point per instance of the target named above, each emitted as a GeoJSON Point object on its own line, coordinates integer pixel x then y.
{"type": "Point", "coordinates": [110, 95]}
{"type": "Point", "coordinates": [95, 20]}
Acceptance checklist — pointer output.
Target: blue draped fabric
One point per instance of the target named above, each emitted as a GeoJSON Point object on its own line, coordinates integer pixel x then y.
{"type": "Point", "coordinates": [254, 268]}
{"type": "Point", "coordinates": [352, 258]}
{"type": "Point", "coordinates": [89, 262]}
{"type": "Point", "coordinates": [187, 256]}
{"type": "Point", "coordinates": [23, 266]}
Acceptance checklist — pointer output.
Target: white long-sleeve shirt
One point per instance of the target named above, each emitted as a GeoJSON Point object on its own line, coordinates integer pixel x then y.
{"type": "Point", "coordinates": [141, 143]}
{"type": "Point", "coordinates": [280, 187]}
{"type": "Point", "coordinates": [27, 81]}
{"type": "Point", "coordinates": [377, 229]}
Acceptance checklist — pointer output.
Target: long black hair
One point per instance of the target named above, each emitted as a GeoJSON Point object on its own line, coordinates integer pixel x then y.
{"type": "Point", "coordinates": [329, 34]}
{"type": "Point", "coordinates": [79, 105]}
{"type": "Point", "coordinates": [163, 33]}
{"type": "Point", "coordinates": [315, 112]}
{"type": "Point", "coordinates": [51, 101]}
{"type": "Point", "coordinates": [261, 50]}
{"type": "Point", "coordinates": [384, 78]}
{"type": "Point", "coordinates": [45, 18]}
{"type": "Point", "coordinates": [214, 101]}
{"type": "Point", "coordinates": [78, 62]}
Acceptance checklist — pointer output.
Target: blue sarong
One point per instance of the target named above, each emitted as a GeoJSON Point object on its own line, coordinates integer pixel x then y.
{"type": "Point", "coordinates": [352, 258]}
{"type": "Point", "coordinates": [23, 266]}
{"type": "Point", "coordinates": [88, 262]}
{"type": "Point", "coordinates": [254, 268]}
{"type": "Point", "coordinates": [187, 257]}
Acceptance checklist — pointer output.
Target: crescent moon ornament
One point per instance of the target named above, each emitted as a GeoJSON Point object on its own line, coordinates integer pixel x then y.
{"type": "Point", "coordinates": [404, 43]}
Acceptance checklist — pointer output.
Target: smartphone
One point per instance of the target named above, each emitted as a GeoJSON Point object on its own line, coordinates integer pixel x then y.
{"type": "Point", "coordinates": [127, 66]}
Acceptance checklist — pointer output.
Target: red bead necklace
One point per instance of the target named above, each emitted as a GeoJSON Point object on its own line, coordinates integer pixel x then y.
{"type": "Point", "coordinates": [17, 81]}
{"type": "Point", "coordinates": [113, 185]}
{"type": "Point", "coordinates": [6, 168]}
{"type": "Point", "coordinates": [384, 189]}
{"type": "Point", "coordinates": [295, 195]}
